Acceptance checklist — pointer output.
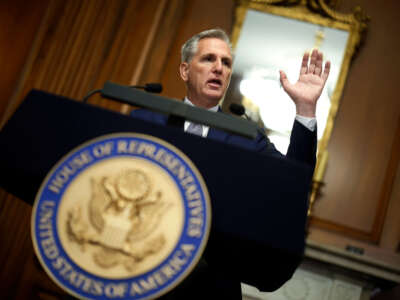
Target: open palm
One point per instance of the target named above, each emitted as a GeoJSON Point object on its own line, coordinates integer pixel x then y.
{"type": "Point", "coordinates": [307, 90]}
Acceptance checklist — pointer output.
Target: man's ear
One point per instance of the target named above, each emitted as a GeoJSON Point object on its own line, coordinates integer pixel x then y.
{"type": "Point", "coordinates": [184, 71]}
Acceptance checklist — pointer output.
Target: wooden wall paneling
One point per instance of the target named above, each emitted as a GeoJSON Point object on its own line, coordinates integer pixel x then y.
{"type": "Point", "coordinates": [105, 18]}
{"type": "Point", "coordinates": [38, 59]}
{"type": "Point", "coordinates": [75, 57]}
{"type": "Point", "coordinates": [383, 201]}
{"type": "Point", "coordinates": [88, 42]}
{"type": "Point", "coordinates": [390, 238]}
{"type": "Point", "coordinates": [126, 45]}
{"type": "Point", "coordinates": [34, 282]}
{"type": "Point", "coordinates": [63, 58]}
{"type": "Point", "coordinates": [390, 235]}
{"type": "Point", "coordinates": [19, 22]}
{"type": "Point", "coordinates": [161, 49]}
{"type": "Point", "coordinates": [15, 243]}
{"type": "Point", "coordinates": [67, 30]}
{"type": "Point", "coordinates": [125, 51]}
{"type": "Point", "coordinates": [149, 42]}
{"type": "Point", "coordinates": [101, 48]}
{"type": "Point", "coordinates": [61, 65]}
{"type": "Point", "coordinates": [147, 47]}
{"type": "Point", "coordinates": [50, 62]}
{"type": "Point", "coordinates": [387, 187]}
{"type": "Point", "coordinates": [340, 228]}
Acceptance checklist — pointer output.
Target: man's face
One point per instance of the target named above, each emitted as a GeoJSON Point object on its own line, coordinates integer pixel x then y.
{"type": "Point", "coordinates": [207, 75]}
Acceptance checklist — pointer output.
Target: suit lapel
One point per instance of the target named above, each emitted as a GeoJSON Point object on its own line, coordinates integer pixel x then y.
{"type": "Point", "coordinates": [216, 134]}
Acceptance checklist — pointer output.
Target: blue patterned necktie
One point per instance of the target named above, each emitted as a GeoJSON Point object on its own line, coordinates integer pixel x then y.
{"type": "Point", "coordinates": [195, 128]}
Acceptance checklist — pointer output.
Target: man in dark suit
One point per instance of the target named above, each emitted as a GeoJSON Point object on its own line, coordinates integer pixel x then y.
{"type": "Point", "coordinates": [206, 68]}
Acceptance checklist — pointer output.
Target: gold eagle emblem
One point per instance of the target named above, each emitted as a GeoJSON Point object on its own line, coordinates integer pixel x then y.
{"type": "Point", "coordinates": [123, 212]}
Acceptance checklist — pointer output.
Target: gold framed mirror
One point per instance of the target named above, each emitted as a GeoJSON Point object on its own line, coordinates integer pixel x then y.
{"type": "Point", "coordinates": [273, 35]}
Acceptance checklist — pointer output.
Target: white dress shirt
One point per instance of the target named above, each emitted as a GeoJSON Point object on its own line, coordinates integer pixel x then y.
{"type": "Point", "coordinates": [204, 127]}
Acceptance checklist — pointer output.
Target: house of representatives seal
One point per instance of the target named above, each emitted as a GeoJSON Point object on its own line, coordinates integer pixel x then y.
{"type": "Point", "coordinates": [123, 216]}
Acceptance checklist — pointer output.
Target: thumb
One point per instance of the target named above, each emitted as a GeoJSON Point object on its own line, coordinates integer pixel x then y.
{"type": "Point", "coordinates": [284, 80]}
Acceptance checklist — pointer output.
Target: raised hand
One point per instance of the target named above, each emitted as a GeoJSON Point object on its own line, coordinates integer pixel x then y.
{"type": "Point", "coordinates": [307, 90]}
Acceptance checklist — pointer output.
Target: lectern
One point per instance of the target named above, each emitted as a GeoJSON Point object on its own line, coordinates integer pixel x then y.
{"type": "Point", "coordinates": [259, 203]}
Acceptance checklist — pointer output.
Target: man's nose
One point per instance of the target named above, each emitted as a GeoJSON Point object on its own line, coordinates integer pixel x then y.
{"type": "Point", "coordinates": [217, 66]}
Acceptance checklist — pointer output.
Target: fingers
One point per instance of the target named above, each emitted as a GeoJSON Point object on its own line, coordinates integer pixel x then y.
{"type": "Point", "coordinates": [318, 63]}
{"type": "Point", "coordinates": [304, 64]}
{"type": "Point", "coordinates": [326, 70]}
{"type": "Point", "coordinates": [313, 61]}
{"type": "Point", "coordinates": [313, 64]}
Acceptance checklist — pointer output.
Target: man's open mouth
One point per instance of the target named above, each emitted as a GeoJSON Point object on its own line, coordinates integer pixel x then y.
{"type": "Point", "coordinates": [215, 82]}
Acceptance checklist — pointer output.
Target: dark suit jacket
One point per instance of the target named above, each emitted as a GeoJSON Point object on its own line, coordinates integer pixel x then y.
{"type": "Point", "coordinates": [211, 280]}
{"type": "Point", "coordinates": [302, 148]}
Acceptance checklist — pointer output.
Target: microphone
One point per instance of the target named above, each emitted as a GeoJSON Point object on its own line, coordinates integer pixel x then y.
{"type": "Point", "coordinates": [239, 110]}
{"type": "Point", "coordinates": [148, 87]}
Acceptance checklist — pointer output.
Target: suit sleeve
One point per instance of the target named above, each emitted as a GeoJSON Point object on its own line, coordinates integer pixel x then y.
{"type": "Point", "coordinates": [302, 147]}
{"type": "Point", "coordinates": [303, 144]}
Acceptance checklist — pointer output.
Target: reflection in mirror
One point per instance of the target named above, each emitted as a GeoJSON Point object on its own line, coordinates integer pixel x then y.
{"type": "Point", "coordinates": [269, 43]}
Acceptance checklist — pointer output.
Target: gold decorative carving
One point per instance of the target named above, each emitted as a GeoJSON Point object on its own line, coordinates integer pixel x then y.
{"type": "Point", "coordinates": [321, 13]}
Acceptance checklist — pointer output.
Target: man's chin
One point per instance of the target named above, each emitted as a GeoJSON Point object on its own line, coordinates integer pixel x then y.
{"type": "Point", "coordinates": [206, 99]}
{"type": "Point", "coordinates": [213, 101]}
{"type": "Point", "coordinates": [214, 96]}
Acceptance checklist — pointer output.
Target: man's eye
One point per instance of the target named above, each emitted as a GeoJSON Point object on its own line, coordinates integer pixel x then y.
{"type": "Point", "coordinates": [227, 63]}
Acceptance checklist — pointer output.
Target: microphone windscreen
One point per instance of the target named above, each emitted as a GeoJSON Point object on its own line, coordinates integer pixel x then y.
{"type": "Point", "coordinates": [153, 87]}
{"type": "Point", "coordinates": [237, 109]}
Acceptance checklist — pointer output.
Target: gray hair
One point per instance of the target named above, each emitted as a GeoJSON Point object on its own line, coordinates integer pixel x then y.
{"type": "Point", "coordinates": [190, 47]}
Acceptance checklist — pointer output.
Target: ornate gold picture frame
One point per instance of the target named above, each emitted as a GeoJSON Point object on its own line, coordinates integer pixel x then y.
{"type": "Point", "coordinates": [322, 14]}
